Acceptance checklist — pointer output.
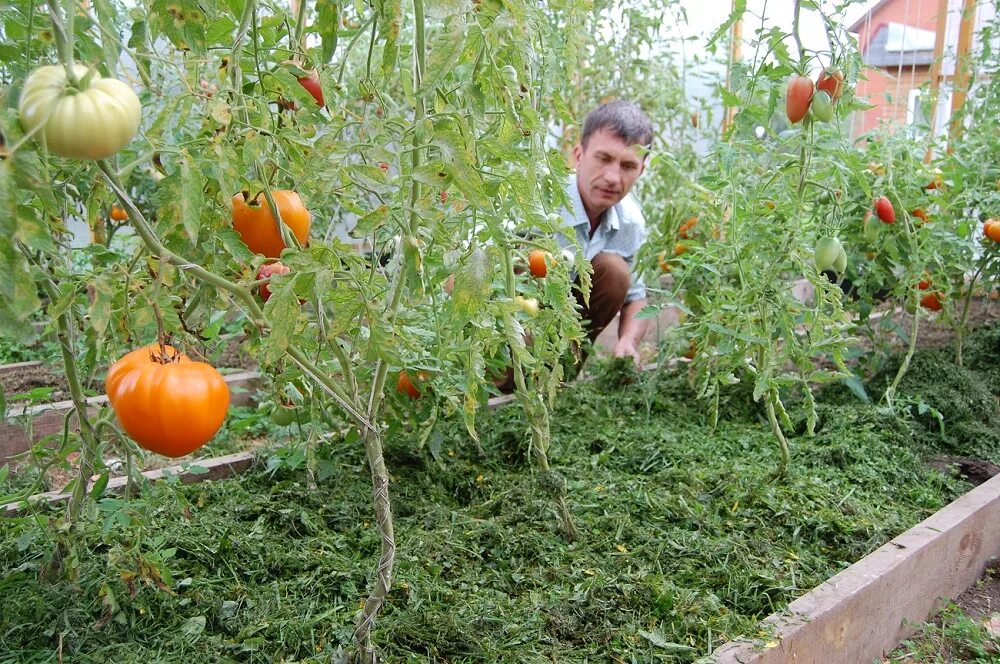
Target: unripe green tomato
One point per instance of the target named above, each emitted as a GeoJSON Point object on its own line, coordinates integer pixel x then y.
{"type": "Point", "coordinates": [93, 123]}
{"type": "Point", "coordinates": [827, 251]}
{"type": "Point", "coordinates": [821, 106]}
{"type": "Point", "coordinates": [285, 416]}
{"type": "Point", "coordinates": [840, 265]}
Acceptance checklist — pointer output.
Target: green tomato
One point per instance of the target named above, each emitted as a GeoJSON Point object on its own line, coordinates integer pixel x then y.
{"type": "Point", "coordinates": [92, 123]}
{"type": "Point", "coordinates": [285, 416]}
{"type": "Point", "coordinates": [840, 264]}
{"type": "Point", "coordinates": [827, 251]}
{"type": "Point", "coordinates": [821, 106]}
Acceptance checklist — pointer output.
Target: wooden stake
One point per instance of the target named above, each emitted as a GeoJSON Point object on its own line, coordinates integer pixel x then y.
{"type": "Point", "coordinates": [960, 87]}
{"type": "Point", "coordinates": [939, 40]}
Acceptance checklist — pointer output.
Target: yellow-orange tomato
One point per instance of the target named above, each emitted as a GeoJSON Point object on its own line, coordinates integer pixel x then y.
{"type": "Point", "coordinates": [169, 404]}
{"type": "Point", "coordinates": [681, 248]}
{"type": "Point", "coordinates": [661, 258]}
{"type": "Point", "coordinates": [992, 229]}
{"type": "Point", "coordinates": [537, 264]}
{"type": "Point", "coordinates": [118, 213]}
{"type": "Point", "coordinates": [692, 349]}
{"type": "Point", "coordinates": [258, 227]}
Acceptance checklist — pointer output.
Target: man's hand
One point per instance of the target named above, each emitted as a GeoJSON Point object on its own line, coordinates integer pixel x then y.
{"type": "Point", "coordinates": [627, 348]}
{"type": "Point", "coordinates": [630, 331]}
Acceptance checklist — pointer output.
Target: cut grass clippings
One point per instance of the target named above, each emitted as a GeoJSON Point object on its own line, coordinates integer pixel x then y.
{"type": "Point", "coordinates": [686, 541]}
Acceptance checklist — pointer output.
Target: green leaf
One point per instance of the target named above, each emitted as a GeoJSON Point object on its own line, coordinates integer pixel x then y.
{"type": "Point", "coordinates": [97, 491]}
{"type": "Point", "coordinates": [101, 306]}
{"type": "Point", "coordinates": [328, 26]}
{"type": "Point", "coordinates": [180, 199]}
{"type": "Point", "coordinates": [472, 283]}
{"type": "Point", "coordinates": [739, 7]}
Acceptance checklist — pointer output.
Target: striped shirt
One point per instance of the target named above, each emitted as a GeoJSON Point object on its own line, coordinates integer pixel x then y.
{"type": "Point", "coordinates": [622, 231]}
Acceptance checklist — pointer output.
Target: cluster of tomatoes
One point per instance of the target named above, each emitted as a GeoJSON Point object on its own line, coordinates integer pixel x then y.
{"type": "Point", "coordinates": [817, 99]}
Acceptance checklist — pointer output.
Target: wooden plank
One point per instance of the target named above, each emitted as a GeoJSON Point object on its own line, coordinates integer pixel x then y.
{"type": "Point", "coordinates": [18, 366]}
{"type": "Point", "coordinates": [49, 418]}
{"type": "Point", "coordinates": [218, 468]}
{"type": "Point", "coordinates": [870, 607]}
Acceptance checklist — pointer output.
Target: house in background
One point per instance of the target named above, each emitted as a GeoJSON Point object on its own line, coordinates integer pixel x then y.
{"type": "Point", "coordinates": [896, 39]}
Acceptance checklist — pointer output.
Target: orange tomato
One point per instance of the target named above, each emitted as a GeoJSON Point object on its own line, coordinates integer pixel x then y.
{"type": "Point", "coordinates": [537, 264]}
{"type": "Point", "coordinates": [258, 227]}
{"type": "Point", "coordinates": [681, 248]}
{"type": "Point", "coordinates": [919, 214]}
{"type": "Point", "coordinates": [118, 213]}
{"type": "Point", "coordinates": [686, 228]}
{"type": "Point", "coordinates": [800, 92]}
{"type": "Point", "coordinates": [992, 230]}
{"type": "Point", "coordinates": [168, 404]}
{"type": "Point", "coordinates": [661, 258]}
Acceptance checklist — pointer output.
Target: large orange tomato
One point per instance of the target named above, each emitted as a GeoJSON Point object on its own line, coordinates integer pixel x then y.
{"type": "Point", "coordinates": [800, 93]}
{"type": "Point", "coordinates": [169, 404]}
{"type": "Point", "coordinates": [259, 229]}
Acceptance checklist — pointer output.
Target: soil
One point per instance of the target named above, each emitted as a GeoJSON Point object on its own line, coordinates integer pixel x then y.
{"type": "Point", "coordinates": [29, 378]}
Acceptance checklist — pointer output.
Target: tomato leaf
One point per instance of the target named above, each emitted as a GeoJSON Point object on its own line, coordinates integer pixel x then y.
{"type": "Point", "coordinates": [97, 491]}
{"type": "Point", "coordinates": [328, 25]}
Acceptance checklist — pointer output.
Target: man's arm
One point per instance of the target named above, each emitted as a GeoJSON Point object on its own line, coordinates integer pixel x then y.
{"type": "Point", "coordinates": [631, 330]}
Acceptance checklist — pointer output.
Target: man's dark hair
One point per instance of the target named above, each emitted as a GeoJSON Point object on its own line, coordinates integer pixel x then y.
{"type": "Point", "coordinates": [622, 118]}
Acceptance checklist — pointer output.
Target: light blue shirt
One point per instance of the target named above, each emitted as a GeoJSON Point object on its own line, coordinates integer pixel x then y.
{"type": "Point", "coordinates": [622, 231]}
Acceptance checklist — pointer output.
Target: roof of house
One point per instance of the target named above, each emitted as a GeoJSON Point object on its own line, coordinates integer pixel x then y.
{"type": "Point", "coordinates": [864, 17]}
{"type": "Point", "coordinates": [878, 55]}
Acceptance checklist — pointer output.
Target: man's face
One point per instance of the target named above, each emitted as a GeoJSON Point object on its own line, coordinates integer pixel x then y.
{"type": "Point", "coordinates": [606, 170]}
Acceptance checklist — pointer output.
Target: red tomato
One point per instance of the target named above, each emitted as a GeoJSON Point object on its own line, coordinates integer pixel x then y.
{"type": "Point", "coordinates": [405, 386]}
{"type": "Point", "coordinates": [831, 80]}
{"type": "Point", "coordinates": [258, 227]}
{"type": "Point", "coordinates": [311, 83]}
{"type": "Point", "coordinates": [169, 404]}
{"type": "Point", "coordinates": [924, 283]}
{"type": "Point", "coordinates": [884, 210]}
{"type": "Point", "coordinates": [270, 270]}
{"type": "Point", "coordinates": [919, 214]}
{"type": "Point", "coordinates": [800, 92]}
{"type": "Point", "coordinates": [931, 301]}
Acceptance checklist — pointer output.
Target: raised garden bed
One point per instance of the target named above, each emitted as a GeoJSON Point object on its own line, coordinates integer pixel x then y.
{"type": "Point", "coordinates": [687, 542]}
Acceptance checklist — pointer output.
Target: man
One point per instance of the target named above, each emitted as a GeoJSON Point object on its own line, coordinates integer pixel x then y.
{"type": "Point", "coordinates": [606, 222]}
